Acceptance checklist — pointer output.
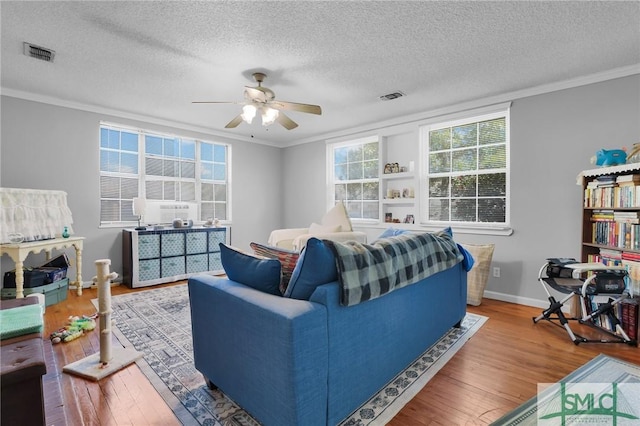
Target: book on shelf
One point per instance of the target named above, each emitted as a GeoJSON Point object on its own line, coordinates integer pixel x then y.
{"type": "Point", "coordinates": [634, 177]}
{"type": "Point", "coordinates": [632, 264]}
{"type": "Point", "coordinates": [629, 317]}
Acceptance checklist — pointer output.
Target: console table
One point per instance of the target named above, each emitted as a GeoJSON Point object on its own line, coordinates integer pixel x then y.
{"type": "Point", "coordinates": [18, 253]}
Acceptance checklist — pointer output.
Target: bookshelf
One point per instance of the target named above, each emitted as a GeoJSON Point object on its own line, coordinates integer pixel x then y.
{"type": "Point", "coordinates": [611, 227]}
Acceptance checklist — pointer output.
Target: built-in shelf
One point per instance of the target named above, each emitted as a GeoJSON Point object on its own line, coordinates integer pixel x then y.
{"type": "Point", "coordinates": [402, 175]}
{"type": "Point", "coordinates": [407, 201]}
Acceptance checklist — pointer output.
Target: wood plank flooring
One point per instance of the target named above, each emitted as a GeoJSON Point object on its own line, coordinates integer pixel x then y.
{"type": "Point", "coordinates": [497, 370]}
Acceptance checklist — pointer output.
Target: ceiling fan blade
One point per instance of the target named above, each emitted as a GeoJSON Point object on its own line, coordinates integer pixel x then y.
{"type": "Point", "coordinates": [255, 94]}
{"type": "Point", "coordinates": [286, 122]}
{"type": "Point", "coordinates": [215, 102]}
{"type": "Point", "coordinates": [292, 106]}
{"type": "Point", "coordinates": [234, 123]}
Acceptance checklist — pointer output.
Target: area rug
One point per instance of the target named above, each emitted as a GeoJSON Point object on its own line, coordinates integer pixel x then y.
{"type": "Point", "coordinates": [157, 323]}
{"type": "Point", "coordinates": [586, 396]}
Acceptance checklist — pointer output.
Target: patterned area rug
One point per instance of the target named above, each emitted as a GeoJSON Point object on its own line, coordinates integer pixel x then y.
{"type": "Point", "coordinates": [157, 323]}
{"type": "Point", "coordinates": [603, 370]}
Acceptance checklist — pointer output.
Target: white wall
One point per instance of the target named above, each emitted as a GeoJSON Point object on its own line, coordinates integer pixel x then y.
{"type": "Point", "coordinates": [553, 137]}
{"type": "Point", "coordinates": [51, 147]}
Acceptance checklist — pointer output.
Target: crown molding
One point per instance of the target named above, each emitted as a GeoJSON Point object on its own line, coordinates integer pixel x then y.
{"type": "Point", "coordinates": [371, 127]}
{"type": "Point", "coordinates": [130, 116]}
{"type": "Point", "coordinates": [419, 118]}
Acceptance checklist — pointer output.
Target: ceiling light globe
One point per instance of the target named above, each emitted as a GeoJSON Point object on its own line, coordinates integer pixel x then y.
{"type": "Point", "coordinates": [269, 115]}
{"type": "Point", "coordinates": [248, 112]}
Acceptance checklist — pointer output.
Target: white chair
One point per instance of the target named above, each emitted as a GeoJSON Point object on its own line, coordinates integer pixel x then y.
{"type": "Point", "coordinates": [335, 225]}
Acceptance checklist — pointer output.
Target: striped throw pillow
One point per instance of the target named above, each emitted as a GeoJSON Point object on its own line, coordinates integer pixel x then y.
{"type": "Point", "coordinates": [287, 258]}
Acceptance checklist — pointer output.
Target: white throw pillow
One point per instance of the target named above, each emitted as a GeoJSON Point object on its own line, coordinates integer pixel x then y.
{"type": "Point", "coordinates": [479, 274]}
{"type": "Point", "coordinates": [338, 216]}
{"type": "Point", "coordinates": [316, 229]}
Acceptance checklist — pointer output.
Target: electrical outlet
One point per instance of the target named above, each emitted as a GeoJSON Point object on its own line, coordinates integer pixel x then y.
{"type": "Point", "coordinates": [496, 272]}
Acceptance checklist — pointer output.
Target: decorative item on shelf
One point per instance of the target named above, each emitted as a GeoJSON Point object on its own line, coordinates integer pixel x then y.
{"type": "Point", "coordinates": [65, 232]}
{"type": "Point", "coordinates": [403, 169]}
{"type": "Point", "coordinates": [609, 157]}
{"type": "Point", "coordinates": [409, 219]}
{"type": "Point", "coordinates": [208, 223]}
{"type": "Point", "coordinates": [634, 155]}
{"type": "Point", "coordinates": [216, 222]}
{"type": "Point", "coordinates": [139, 206]}
{"type": "Point", "coordinates": [393, 168]}
{"type": "Point", "coordinates": [16, 238]}
{"type": "Point", "coordinates": [388, 217]}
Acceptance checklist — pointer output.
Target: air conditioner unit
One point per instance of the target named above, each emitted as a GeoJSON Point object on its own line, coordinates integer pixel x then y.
{"type": "Point", "coordinates": [166, 211]}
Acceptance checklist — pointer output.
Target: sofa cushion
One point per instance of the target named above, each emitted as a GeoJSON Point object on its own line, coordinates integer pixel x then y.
{"type": "Point", "coordinates": [287, 258]}
{"type": "Point", "coordinates": [316, 229]}
{"type": "Point", "coordinates": [257, 272]}
{"type": "Point", "coordinates": [316, 265]}
{"type": "Point", "coordinates": [392, 232]}
{"type": "Point", "coordinates": [338, 216]}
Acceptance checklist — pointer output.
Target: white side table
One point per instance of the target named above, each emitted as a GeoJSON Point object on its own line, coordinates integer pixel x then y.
{"type": "Point", "coordinates": [19, 252]}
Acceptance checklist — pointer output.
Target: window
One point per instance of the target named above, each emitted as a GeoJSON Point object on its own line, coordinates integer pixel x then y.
{"type": "Point", "coordinates": [354, 170]}
{"type": "Point", "coordinates": [136, 163]}
{"type": "Point", "coordinates": [465, 171]}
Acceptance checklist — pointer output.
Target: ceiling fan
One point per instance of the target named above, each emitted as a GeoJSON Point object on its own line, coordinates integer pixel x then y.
{"type": "Point", "coordinates": [262, 99]}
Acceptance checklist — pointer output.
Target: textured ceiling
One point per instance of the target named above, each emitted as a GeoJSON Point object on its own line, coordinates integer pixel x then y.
{"type": "Point", "coordinates": [153, 58]}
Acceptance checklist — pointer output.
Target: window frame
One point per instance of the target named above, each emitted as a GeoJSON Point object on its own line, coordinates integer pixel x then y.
{"type": "Point", "coordinates": [459, 120]}
{"type": "Point", "coordinates": [143, 178]}
{"type": "Point", "coordinates": [332, 182]}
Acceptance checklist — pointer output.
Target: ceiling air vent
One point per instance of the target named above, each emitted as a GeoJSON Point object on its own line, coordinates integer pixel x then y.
{"type": "Point", "coordinates": [38, 52]}
{"type": "Point", "coordinates": [391, 96]}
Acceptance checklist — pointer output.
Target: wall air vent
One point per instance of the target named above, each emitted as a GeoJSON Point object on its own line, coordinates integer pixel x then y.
{"type": "Point", "coordinates": [38, 52]}
{"type": "Point", "coordinates": [391, 96]}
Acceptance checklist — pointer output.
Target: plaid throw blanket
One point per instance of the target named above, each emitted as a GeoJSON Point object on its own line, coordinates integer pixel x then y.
{"type": "Point", "coordinates": [367, 271]}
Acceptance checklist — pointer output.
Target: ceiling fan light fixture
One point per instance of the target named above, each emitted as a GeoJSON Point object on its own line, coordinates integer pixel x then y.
{"type": "Point", "coordinates": [269, 116]}
{"type": "Point", "coordinates": [248, 113]}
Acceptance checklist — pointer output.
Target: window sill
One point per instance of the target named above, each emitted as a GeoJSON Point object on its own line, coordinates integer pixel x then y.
{"type": "Point", "coordinates": [457, 229]}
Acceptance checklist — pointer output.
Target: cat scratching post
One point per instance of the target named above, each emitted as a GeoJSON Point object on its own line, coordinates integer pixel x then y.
{"type": "Point", "coordinates": [109, 360]}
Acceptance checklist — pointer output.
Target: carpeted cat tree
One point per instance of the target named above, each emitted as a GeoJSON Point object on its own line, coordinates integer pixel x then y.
{"type": "Point", "coordinates": [109, 360]}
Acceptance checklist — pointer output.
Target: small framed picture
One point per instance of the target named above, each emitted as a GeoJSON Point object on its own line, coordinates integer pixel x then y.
{"type": "Point", "coordinates": [388, 217]}
{"type": "Point", "coordinates": [409, 219]}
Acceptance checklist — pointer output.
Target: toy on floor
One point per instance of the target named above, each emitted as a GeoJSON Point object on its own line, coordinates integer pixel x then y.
{"type": "Point", "coordinates": [75, 328]}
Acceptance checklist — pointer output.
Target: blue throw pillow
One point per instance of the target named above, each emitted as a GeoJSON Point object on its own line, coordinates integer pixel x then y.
{"type": "Point", "coordinates": [316, 265]}
{"type": "Point", "coordinates": [392, 232]}
{"type": "Point", "coordinates": [259, 273]}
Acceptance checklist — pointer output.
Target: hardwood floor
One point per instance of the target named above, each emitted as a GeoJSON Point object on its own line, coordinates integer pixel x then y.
{"type": "Point", "coordinates": [497, 370]}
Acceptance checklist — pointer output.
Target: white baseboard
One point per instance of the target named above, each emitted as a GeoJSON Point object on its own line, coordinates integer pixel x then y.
{"type": "Point", "coordinates": [527, 301]}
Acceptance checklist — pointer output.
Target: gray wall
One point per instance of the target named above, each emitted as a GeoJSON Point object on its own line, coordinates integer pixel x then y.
{"type": "Point", "coordinates": [51, 147]}
{"type": "Point", "coordinates": [553, 137]}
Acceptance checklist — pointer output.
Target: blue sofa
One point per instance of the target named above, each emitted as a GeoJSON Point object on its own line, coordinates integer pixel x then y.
{"type": "Point", "coordinates": [313, 362]}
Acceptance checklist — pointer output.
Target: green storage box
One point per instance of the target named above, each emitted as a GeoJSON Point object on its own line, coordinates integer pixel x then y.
{"type": "Point", "coordinates": [53, 293]}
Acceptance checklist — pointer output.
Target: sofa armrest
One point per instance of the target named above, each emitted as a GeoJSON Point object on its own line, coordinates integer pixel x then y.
{"type": "Point", "coordinates": [301, 240]}
{"type": "Point", "coordinates": [283, 238]}
{"type": "Point", "coordinates": [267, 353]}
